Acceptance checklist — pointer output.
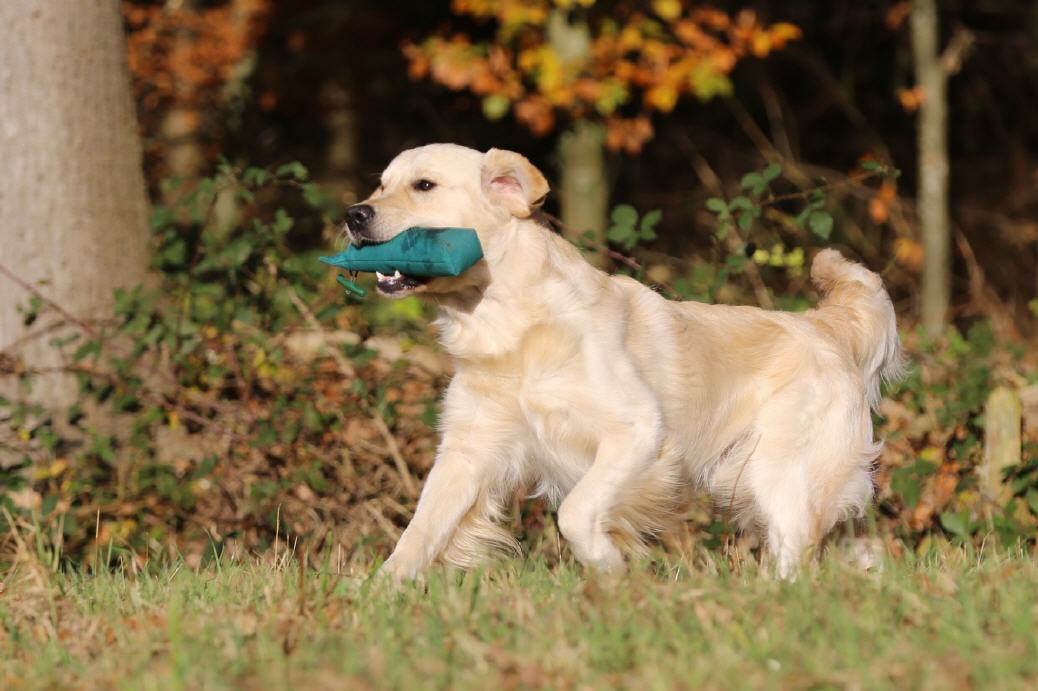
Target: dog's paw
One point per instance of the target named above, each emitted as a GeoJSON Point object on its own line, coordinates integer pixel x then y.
{"type": "Point", "coordinates": [398, 572]}
{"type": "Point", "coordinates": [608, 564]}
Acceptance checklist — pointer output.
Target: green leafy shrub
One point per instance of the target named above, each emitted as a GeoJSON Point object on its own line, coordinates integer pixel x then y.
{"type": "Point", "coordinates": [204, 425]}
{"type": "Point", "coordinates": [200, 423]}
{"type": "Point", "coordinates": [935, 426]}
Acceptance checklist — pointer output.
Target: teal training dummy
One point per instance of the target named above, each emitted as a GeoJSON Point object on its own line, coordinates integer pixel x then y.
{"type": "Point", "coordinates": [413, 255]}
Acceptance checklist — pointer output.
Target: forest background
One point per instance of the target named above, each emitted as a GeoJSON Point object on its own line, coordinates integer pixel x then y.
{"type": "Point", "coordinates": [182, 379]}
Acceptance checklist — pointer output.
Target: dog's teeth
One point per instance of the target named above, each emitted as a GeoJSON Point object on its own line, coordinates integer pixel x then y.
{"type": "Point", "coordinates": [397, 274]}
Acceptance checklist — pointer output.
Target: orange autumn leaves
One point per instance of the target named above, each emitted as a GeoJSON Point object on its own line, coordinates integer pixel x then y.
{"type": "Point", "coordinates": [629, 61]}
{"type": "Point", "coordinates": [183, 55]}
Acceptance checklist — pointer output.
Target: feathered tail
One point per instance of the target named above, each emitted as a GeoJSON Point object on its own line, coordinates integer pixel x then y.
{"type": "Point", "coordinates": [858, 309]}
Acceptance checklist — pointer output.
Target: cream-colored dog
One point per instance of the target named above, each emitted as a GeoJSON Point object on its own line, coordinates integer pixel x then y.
{"type": "Point", "coordinates": [611, 401]}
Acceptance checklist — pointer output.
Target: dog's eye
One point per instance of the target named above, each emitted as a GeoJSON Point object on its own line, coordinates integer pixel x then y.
{"type": "Point", "coordinates": [423, 185]}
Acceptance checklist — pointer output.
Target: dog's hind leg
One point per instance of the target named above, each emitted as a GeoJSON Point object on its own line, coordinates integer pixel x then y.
{"type": "Point", "coordinates": [783, 504]}
{"type": "Point", "coordinates": [803, 480]}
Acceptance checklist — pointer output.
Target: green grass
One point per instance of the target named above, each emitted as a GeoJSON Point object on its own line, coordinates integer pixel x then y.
{"type": "Point", "coordinates": [943, 623]}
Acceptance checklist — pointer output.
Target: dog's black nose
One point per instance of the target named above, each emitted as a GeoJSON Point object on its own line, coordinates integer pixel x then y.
{"type": "Point", "coordinates": [359, 216]}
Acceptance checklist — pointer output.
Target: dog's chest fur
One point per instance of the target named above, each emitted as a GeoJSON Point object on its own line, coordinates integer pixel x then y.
{"type": "Point", "coordinates": [538, 347]}
{"type": "Point", "coordinates": [540, 388]}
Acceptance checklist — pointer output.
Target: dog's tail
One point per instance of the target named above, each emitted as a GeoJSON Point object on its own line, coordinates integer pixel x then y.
{"type": "Point", "coordinates": [858, 309]}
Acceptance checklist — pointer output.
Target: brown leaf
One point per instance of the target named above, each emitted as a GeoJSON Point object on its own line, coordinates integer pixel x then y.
{"type": "Point", "coordinates": [897, 15]}
{"type": "Point", "coordinates": [911, 99]}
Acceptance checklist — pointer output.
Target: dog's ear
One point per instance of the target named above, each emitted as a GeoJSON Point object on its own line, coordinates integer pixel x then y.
{"type": "Point", "coordinates": [513, 182]}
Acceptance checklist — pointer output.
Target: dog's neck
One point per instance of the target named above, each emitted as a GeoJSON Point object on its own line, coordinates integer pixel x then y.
{"type": "Point", "coordinates": [524, 263]}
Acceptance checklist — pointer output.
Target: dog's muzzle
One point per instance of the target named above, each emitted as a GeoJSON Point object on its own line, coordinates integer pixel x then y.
{"type": "Point", "coordinates": [358, 222]}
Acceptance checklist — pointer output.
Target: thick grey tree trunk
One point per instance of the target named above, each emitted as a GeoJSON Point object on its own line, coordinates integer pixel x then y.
{"type": "Point", "coordinates": [74, 203]}
{"type": "Point", "coordinates": [932, 202]}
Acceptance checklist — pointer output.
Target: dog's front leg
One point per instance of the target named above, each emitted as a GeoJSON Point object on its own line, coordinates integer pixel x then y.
{"type": "Point", "coordinates": [450, 491]}
{"type": "Point", "coordinates": [475, 431]}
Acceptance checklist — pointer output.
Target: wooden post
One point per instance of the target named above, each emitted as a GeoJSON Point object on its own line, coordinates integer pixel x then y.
{"type": "Point", "coordinates": [1002, 418]}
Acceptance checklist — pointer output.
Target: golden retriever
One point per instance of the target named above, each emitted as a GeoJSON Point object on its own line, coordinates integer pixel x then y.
{"type": "Point", "coordinates": [611, 401]}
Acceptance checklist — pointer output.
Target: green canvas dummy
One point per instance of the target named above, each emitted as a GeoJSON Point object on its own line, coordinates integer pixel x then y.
{"type": "Point", "coordinates": [424, 252]}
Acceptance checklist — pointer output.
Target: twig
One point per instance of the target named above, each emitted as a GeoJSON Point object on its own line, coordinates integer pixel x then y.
{"type": "Point", "coordinates": [764, 145]}
{"type": "Point", "coordinates": [33, 335]}
{"type": "Point", "coordinates": [50, 303]}
{"type": "Point", "coordinates": [823, 73]}
{"type": "Point", "coordinates": [734, 242]}
{"type": "Point", "coordinates": [629, 262]}
{"type": "Point", "coordinates": [175, 572]}
{"type": "Point", "coordinates": [850, 180]}
{"type": "Point", "coordinates": [194, 261]}
{"type": "Point", "coordinates": [958, 49]}
{"type": "Point", "coordinates": [245, 386]}
{"type": "Point", "coordinates": [147, 394]}
{"type": "Point", "coordinates": [153, 397]}
{"type": "Point", "coordinates": [301, 594]}
{"type": "Point", "coordinates": [376, 415]}
{"type": "Point", "coordinates": [982, 297]}
{"type": "Point", "coordinates": [277, 533]}
{"type": "Point", "coordinates": [380, 518]}
{"type": "Point", "coordinates": [779, 131]}
{"type": "Point", "coordinates": [97, 542]}
{"type": "Point", "coordinates": [394, 451]}
{"type": "Point", "coordinates": [709, 178]}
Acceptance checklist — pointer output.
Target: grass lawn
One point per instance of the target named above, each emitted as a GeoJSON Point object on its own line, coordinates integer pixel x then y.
{"type": "Point", "coordinates": [950, 622]}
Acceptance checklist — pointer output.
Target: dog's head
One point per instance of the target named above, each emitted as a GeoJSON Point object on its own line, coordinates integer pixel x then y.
{"type": "Point", "coordinates": [445, 185]}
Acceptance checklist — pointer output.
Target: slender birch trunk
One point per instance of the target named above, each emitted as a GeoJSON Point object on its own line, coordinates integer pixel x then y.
{"type": "Point", "coordinates": [933, 166]}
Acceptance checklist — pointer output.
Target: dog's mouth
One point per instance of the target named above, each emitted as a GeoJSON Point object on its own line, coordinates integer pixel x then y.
{"type": "Point", "coordinates": [398, 284]}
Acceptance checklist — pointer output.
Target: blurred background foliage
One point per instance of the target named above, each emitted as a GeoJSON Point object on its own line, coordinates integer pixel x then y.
{"type": "Point", "coordinates": [241, 399]}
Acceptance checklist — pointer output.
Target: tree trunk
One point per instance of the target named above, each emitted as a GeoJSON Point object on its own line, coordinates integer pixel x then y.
{"type": "Point", "coordinates": [71, 186]}
{"type": "Point", "coordinates": [583, 189]}
{"type": "Point", "coordinates": [340, 162]}
{"type": "Point", "coordinates": [932, 202]}
{"type": "Point", "coordinates": [178, 129]}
